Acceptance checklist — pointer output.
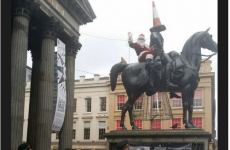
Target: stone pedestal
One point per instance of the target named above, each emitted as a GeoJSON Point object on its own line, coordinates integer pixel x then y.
{"type": "Point", "coordinates": [160, 138]}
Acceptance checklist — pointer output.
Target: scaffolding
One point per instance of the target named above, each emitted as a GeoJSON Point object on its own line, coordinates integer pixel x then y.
{"type": "Point", "coordinates": [148, 108]}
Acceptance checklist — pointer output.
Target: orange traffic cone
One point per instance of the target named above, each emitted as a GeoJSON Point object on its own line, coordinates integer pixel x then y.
{"type": "Point", "coordinates": [157, 26]}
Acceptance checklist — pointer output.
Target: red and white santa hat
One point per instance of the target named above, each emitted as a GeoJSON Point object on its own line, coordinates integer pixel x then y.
{"type": "Point", "coordinates": [157, 26]}
{"type": "Point", "coordinates": [141, 36]}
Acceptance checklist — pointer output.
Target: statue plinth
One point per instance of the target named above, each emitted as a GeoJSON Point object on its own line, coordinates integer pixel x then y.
{"type": "Point", "coordinates": [164, 138]}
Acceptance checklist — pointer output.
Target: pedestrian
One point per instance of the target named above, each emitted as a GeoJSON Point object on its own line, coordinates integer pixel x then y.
{"type": "Point", "coordinates": [24, 146]}
{"type": "Point", "coordinates": [123, 145]}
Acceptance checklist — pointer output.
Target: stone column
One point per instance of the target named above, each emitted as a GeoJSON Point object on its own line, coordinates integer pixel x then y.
{"type": "Point", "coordinates": [19, 47]}
{"type": "Point", "coordinates": [36, 54]}
{"type": "Point", "coordinates": [45, 84]}
{"type": "Point", "coordinates": [65, 135]}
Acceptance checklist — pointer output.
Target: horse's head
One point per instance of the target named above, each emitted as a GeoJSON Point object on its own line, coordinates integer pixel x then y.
{"type": "Point", "coordinates": [207, 41]}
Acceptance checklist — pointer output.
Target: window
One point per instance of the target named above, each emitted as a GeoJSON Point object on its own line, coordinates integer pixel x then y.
{"type": "Point", "coordinates": [201, 69]}
{"type": "Point", "coordinates": [174, 121]}
{"type": "Point", "coordinates": [75, 106]}
{"type": "Point", "coordinates": [138, 123]}
{"type": "Point", "coordinates": [86, 130]}
{"type": "Point", "coordinates": [176, 102]}
{"type": "Point", "coordinates": [74, 133]}
{"type": "Point", "coordinates": [197, 101]}
{"type": "Point", "coordinates": [74, 130]}
{"type": "Point", "coordinates": [118, 125]}
{"type": "Point", "coordinates": [157, 101]}
{"type": "Point", "coordinates": [138, 103]}
{"type": "Point", "coordinates": [57, 135]}
{"type": "Point", "coordinates": [119, 76]}
{"type": "Point", "coordinates": [156, 124]}
{"type": "Point", "coordinates": [101, 130]}
{"type": "Point", "coordinates": [197, 122]}
{"type": "Point", "coordinates": [88, 104]}
{"type": "Point", "coordinates": [120, 101]}
{"type": "Point", "coordinates": [102, 103]}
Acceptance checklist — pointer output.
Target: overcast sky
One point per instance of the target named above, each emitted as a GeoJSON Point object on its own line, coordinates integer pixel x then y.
{"type": "Point", "coordinates": [115, 18]}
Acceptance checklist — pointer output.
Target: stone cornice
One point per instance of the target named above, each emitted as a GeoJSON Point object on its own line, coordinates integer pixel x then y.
{"type": "Point", "coordinates": [160, 133]}
{"type": "Point", "coordinates": [80, 10]}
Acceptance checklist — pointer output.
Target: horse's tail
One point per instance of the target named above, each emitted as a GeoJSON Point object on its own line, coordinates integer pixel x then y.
{"type": "Point", "coordinates": [117, 68]}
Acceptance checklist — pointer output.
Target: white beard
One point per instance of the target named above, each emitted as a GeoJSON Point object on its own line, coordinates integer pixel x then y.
{"type": "Point", "coordinates": [142, 44]}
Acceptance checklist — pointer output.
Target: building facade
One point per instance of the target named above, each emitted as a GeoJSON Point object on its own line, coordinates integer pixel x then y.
{"type": "Point", "coordinates": [203, 107]}
{"type": "Point", "coordinates": [91, 113]}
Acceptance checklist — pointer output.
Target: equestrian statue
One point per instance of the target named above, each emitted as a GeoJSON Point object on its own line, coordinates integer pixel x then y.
{"type": "Point", "coordinates": [158, 71]}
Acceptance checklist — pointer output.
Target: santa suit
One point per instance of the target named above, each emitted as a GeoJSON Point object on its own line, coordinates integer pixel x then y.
{"type": "Point", "coordinates": [143, 52]}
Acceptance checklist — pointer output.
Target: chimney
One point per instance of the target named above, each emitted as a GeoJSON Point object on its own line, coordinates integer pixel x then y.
{"type": "Point", "coordinates": [96, 77]}
{"type": "Point", "coordinates": [82, 79]}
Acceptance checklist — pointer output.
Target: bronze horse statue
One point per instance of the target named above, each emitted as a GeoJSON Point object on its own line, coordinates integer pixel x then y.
{"type": "Point", "coordinates": [185, 74]}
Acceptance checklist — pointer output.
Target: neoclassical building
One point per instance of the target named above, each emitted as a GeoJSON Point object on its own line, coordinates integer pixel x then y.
{"type": "Point", "coordinates": [90, 114]}
{"type": "Point", "coordinates": [36, 25]}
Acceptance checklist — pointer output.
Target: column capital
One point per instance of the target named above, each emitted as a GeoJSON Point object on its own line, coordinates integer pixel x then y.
{"type": "Point", "coordinates": [73, 46]}
{"type": "Point", "coordinates": [52, 28]}
{"type": "Point", "coordinates": [24, 7]}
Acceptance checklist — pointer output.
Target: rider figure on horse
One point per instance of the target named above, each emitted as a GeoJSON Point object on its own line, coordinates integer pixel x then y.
{"type": "Point", "coordinates": [157, 40]}
{"type": "Point", "coordinates": [146, 53]}
{"type": "Point", "coordinates": [142, 50]}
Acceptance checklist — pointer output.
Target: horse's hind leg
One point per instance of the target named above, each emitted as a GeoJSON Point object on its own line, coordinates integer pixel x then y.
{"type": "Point", "coordinates": [130, 109]}
{"type": "Point", "coordinates": [124, 110]}
{"type": "Point", "coordinates": [131, 101]}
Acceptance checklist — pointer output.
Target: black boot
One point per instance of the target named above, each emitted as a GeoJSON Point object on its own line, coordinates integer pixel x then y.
{"type": "Point", "coordinates": [169, 85]}
{"type": "Point", "coordinates": [148, 63]}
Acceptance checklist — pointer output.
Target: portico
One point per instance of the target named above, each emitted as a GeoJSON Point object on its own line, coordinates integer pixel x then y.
{"type": "Point", "coordinates": [36, 25]}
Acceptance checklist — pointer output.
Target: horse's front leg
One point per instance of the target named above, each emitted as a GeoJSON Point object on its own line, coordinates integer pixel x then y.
{"type": "Point", "coordinates": [186, 94]}
{"type": "Point", "coordinates": [190, 109]}
{"type": "Point", "coordinates": [124, 109]}
{"type": "Point", "coordinates": [185, 107]}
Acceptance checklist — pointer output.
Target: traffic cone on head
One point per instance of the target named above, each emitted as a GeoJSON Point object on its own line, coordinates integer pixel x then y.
{"type": "Point", "coordinates": [157, 26]}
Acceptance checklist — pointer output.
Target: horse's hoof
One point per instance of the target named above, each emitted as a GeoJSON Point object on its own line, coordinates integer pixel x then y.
{"type": "Point", "coordinates": [135, 127]}
{"type": "Point", "coordinates": [195, 127]}
{"type": "Point", "coordinates": [190, 126]}
{"type": "Point", "coordinates": [124, 128]}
